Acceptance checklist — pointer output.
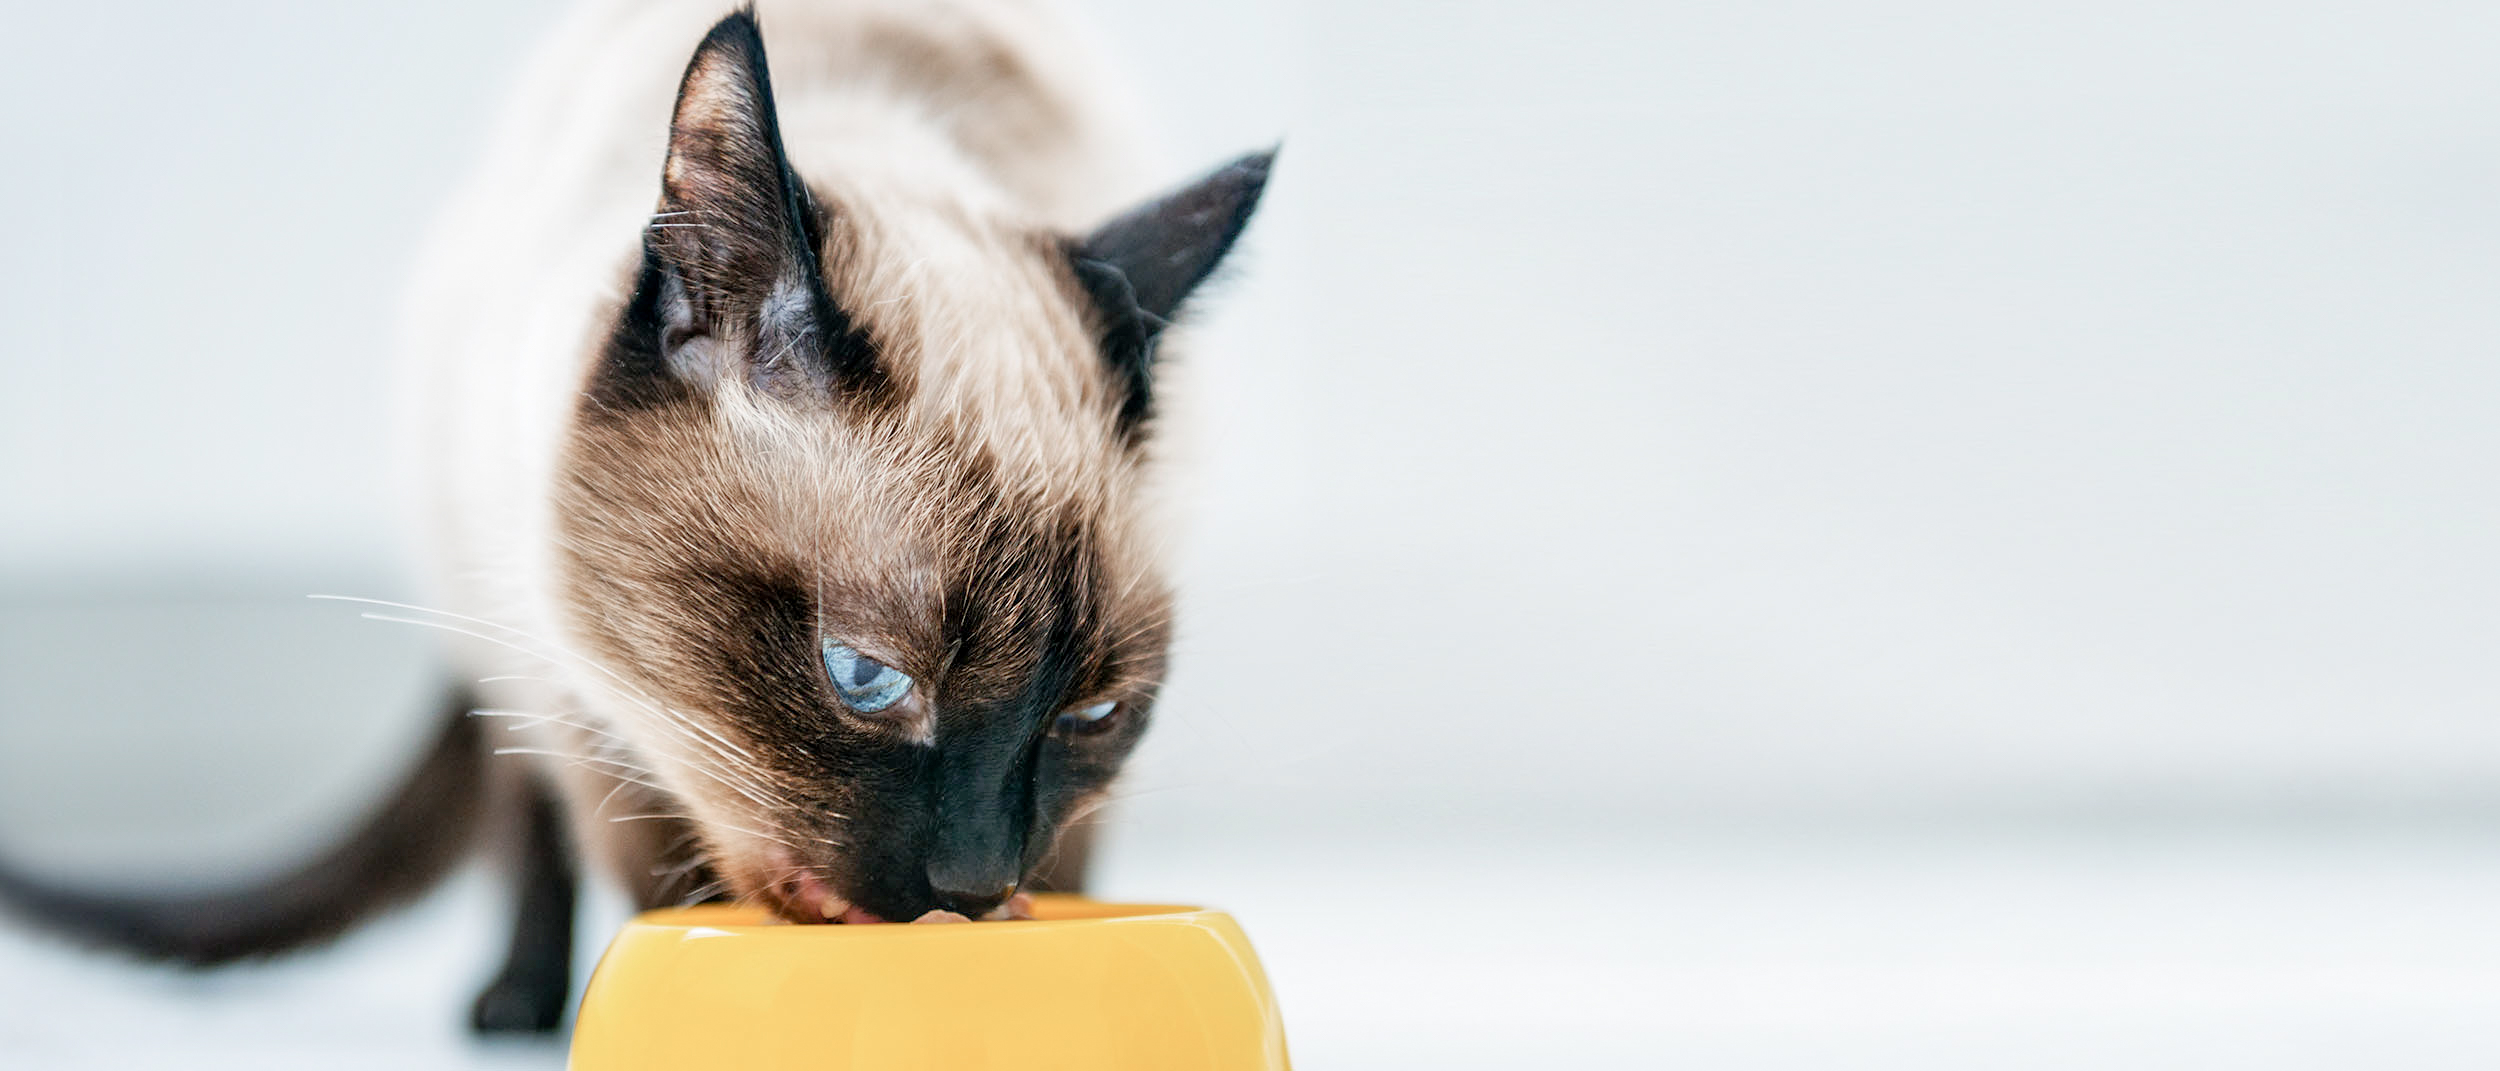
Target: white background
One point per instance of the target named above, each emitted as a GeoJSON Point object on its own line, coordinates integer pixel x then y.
{"type": "Point", "coordinates": [1650, 451]}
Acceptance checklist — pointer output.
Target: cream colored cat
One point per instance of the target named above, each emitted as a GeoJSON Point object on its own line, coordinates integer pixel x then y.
{"type": "Point", "coordinates": [788, 434]}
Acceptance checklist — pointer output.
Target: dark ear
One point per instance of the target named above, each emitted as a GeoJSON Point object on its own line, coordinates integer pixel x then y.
{"type": "Point", "coordinates": [730, 257]}
{"type": "Point", "coordinates": [1141, 267]}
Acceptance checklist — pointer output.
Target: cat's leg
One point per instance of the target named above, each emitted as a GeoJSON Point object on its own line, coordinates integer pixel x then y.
{"type": "Point", "coordinates": [651, 857]}
{"type": "Point", "coordinates": [529, 993]}
{"type": "Point", "coordinates": [632, 833]}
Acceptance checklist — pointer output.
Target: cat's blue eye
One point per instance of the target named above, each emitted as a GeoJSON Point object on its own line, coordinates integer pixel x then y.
{"type": "Point", "coordinates": [1084, 718]}
{"type": "Point", "coordinates": [865, 684]}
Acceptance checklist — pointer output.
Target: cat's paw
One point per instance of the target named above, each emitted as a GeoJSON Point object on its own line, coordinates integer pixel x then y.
{"type": "Point", "coordinates": [519, 1004]}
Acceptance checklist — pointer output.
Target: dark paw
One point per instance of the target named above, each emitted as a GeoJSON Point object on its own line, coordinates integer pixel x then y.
{"type": "Point", "coordinates": [518, 1004]}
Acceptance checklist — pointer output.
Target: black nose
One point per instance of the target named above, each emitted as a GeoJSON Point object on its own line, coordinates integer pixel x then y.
{"type": "Point", "coordinates": [972, 904]}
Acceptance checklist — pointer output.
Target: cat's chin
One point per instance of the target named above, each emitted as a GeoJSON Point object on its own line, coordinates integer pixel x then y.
{"type": "Point", "coordinates": [804, 898]}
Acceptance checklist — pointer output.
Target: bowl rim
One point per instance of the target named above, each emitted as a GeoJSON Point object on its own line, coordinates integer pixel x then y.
{"type": "Point", "coordinates": [1070, 911]}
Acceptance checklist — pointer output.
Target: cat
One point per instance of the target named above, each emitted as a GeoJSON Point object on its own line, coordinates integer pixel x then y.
{"type": "Point", "coordinates": [791, 455]}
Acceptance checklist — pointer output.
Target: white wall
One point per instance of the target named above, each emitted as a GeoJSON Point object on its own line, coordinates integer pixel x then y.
{"type": "Point", "coordinates": [1620, 405]}
{"type": "Point", "coordinates": [1795, 404]}
{"type": "Point", "coordinates": [212, 208]}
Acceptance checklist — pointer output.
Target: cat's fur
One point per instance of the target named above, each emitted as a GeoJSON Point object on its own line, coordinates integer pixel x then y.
{"type": "Point", "coordinates": [876, 370]}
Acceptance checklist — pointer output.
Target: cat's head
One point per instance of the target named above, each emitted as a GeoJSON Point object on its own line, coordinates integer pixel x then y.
{"type": "Point", "coordinates": [852, 510]}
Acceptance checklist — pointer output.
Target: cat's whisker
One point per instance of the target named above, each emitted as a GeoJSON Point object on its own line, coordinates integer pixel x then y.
{"type": "Point", "coordinates": [759, 835]}
{"type": "Point", "coordinates": [558, 753]}
{"type": "Point", "coordinates": [620, 786]}
{"type": "Point", "coordinates": [524, 720]}
{"type": "Point", "coordinates": [755, 792]}
{"type": "Point", "coordinates": [686, 844]}
{"type": "Point", "coordinates": [573, 657]}
{"type": "Point", "coordinates": [646, 817]}
{"type": "Point", "coordinates": [610, 740]}
{"type": "Point", "coordinates": [683, 866]}
{"type": "Point", "coordinates": [579, 760]}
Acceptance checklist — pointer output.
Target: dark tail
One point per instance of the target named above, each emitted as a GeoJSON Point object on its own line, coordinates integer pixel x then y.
{"type": "Point", "coordinates": [409, 842]}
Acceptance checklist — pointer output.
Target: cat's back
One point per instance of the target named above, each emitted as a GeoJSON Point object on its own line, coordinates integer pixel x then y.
{"type": "Point", "coordinates": [529, 262]}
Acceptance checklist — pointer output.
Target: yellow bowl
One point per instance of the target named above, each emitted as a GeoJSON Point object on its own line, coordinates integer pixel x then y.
{"type": "Point", "coordinates": [1101, 987]}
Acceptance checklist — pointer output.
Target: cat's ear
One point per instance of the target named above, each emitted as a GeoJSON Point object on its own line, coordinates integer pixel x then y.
{"type": "Point", "coordinates": [734, 243]}
{"type": "Point", "coordinates": [1141, 267]}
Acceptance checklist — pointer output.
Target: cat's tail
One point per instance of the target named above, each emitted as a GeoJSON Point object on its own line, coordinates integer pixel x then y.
{"type": "Point", "coordinates": [403, 847]}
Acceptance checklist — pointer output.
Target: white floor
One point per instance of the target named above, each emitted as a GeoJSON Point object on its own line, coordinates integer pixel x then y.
{"type": "Point", "coordinates": [2018, 947]}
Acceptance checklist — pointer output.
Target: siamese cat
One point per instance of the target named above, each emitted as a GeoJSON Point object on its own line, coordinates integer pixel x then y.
{"type": "Point", "coordinates": [789, 443]}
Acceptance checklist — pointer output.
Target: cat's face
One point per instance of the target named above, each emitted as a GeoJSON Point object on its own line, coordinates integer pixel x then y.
{"type": "Point", "coordinates": [852, 513]}
{"type": "Point", "coordinates": [856, 649]}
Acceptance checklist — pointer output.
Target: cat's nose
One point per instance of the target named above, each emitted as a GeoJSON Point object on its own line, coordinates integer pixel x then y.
{"type": "Point", "coordinates": [972, 903]}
